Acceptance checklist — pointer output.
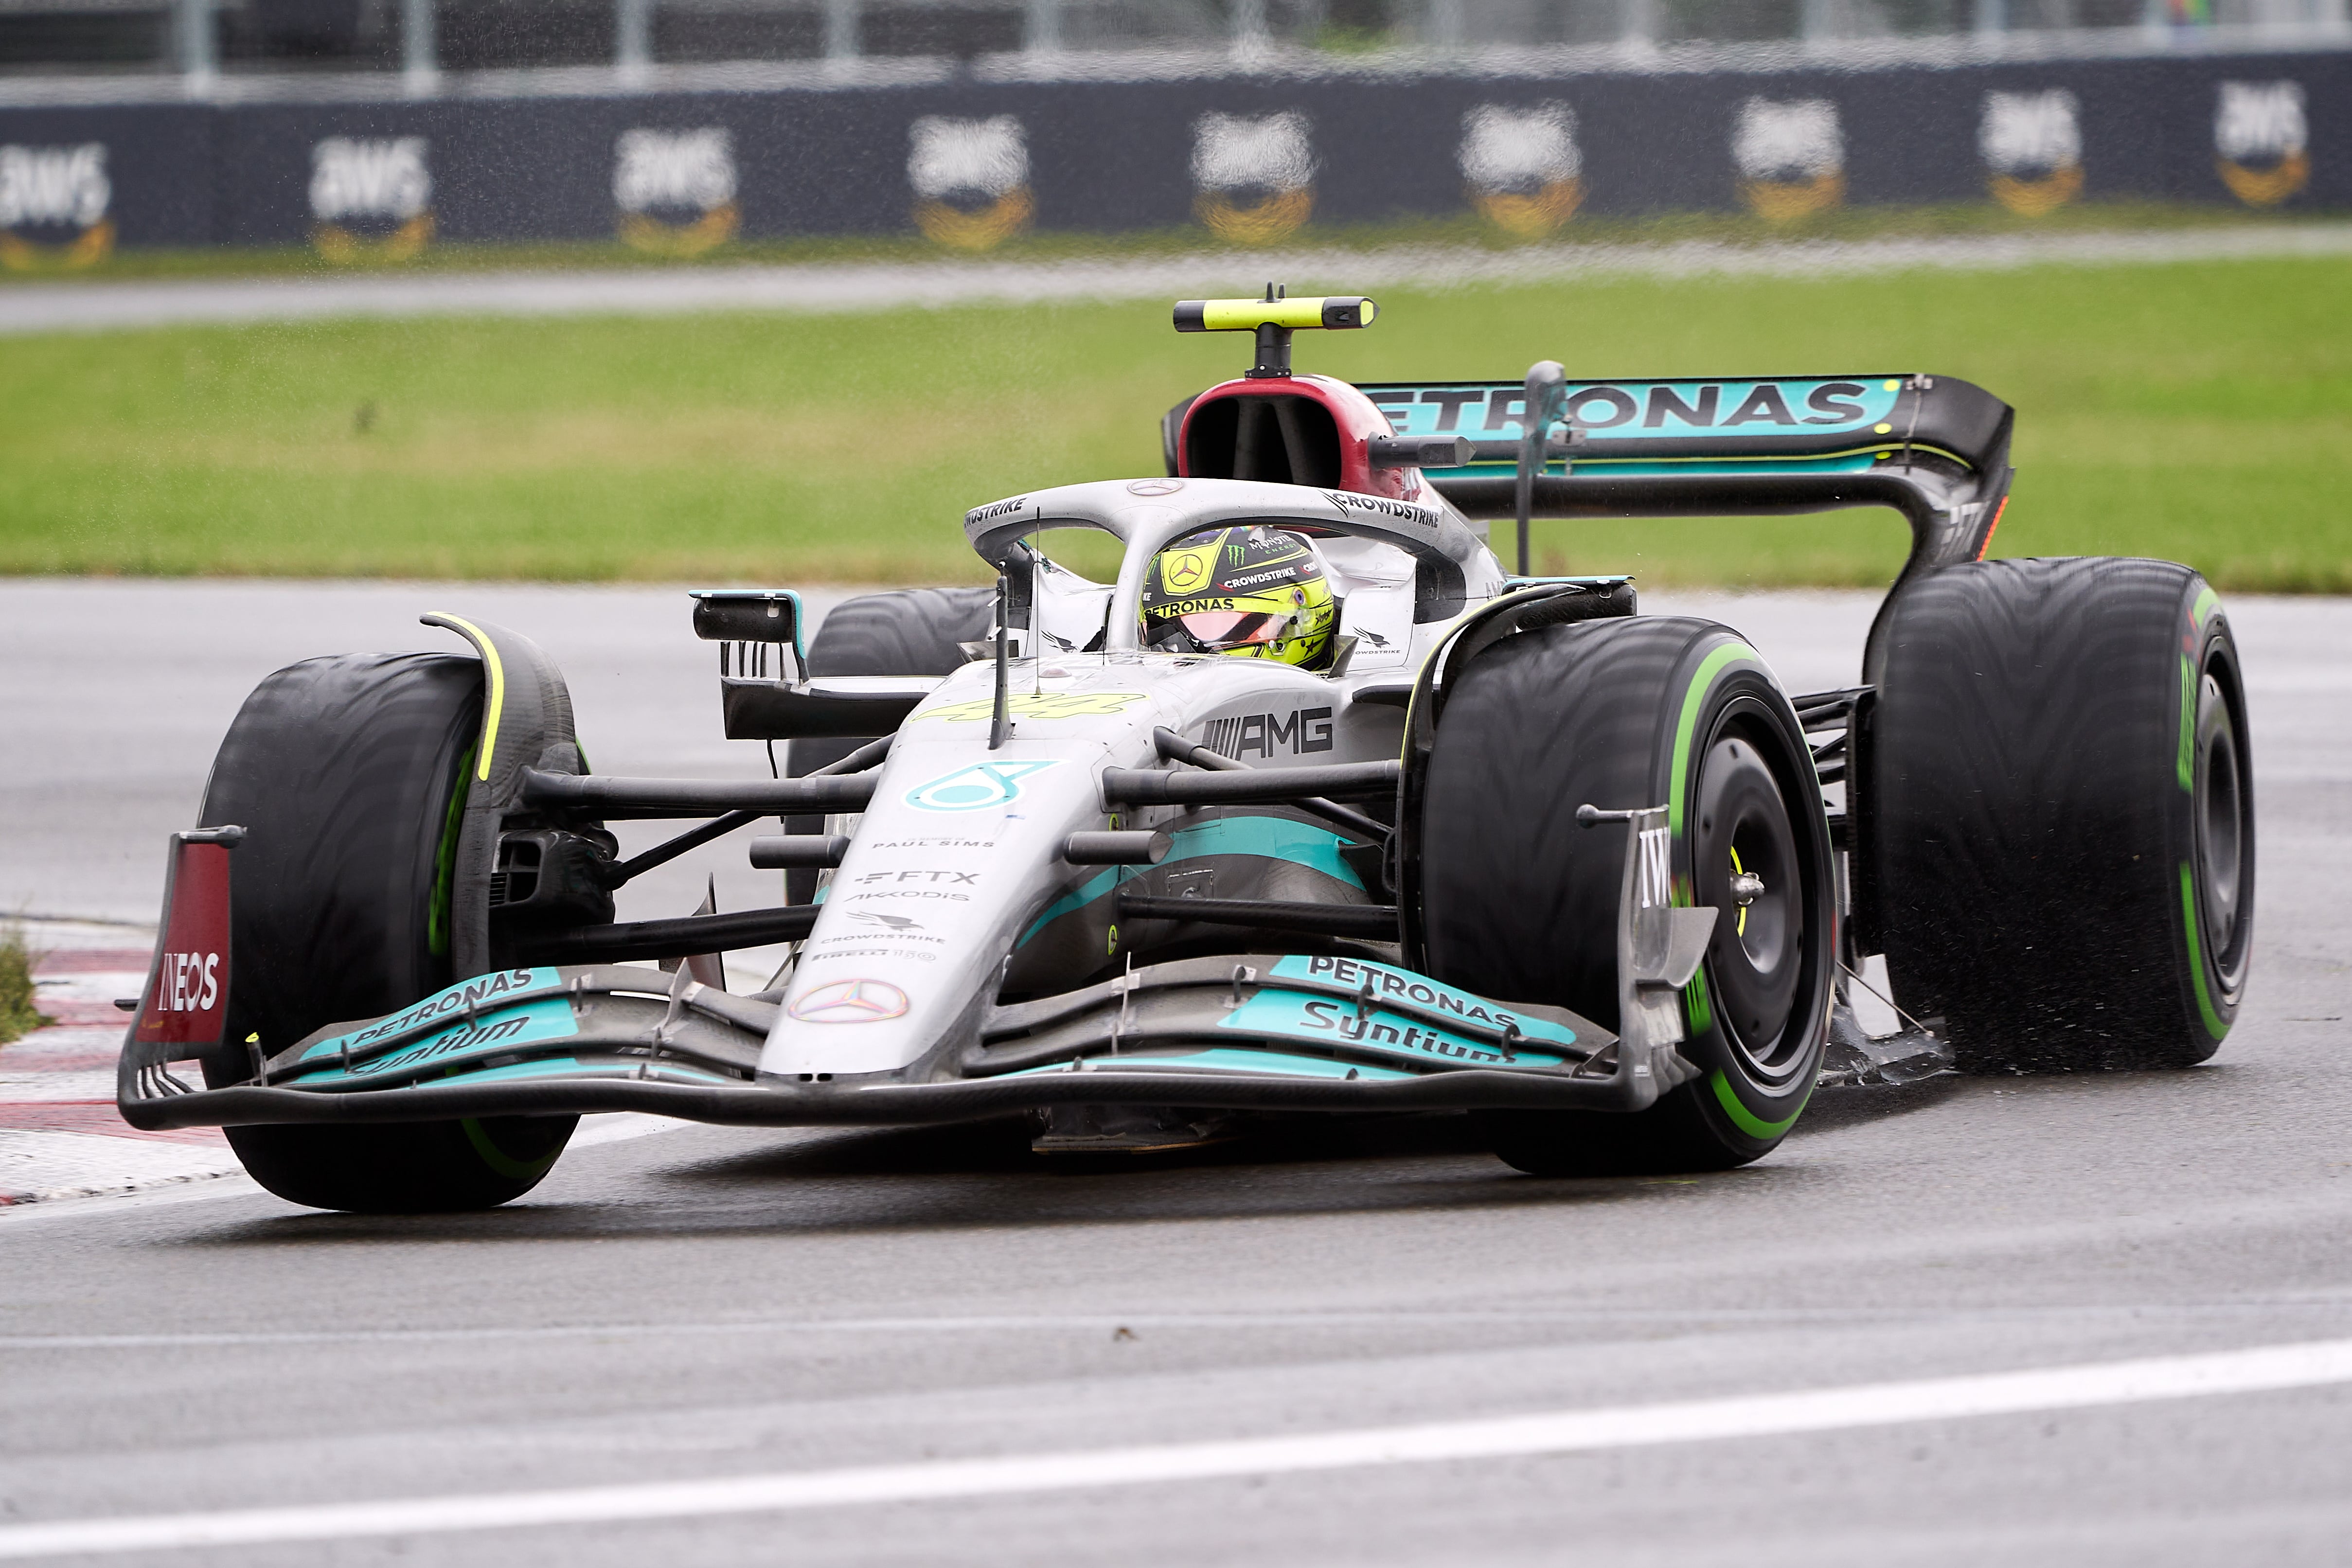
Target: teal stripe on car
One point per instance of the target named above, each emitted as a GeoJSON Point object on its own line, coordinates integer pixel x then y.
{"type": "Point", "coordinates": [1267, 1064]}
{"type": "Point", "coordinates": [1268, 837]}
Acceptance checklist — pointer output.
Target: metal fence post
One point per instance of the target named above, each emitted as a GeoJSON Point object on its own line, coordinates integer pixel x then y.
{"type": "Point", "coordinates": [1250, 37]}
{"type": "Point", "coordinates": [199, 51]}
{"type": "Point", "coordinates": [1442, 27]}
{"type": "Point", "coordinates": [841, 30]}
{"type": "Point", "coordinates": [632, 35]}
{"type": "Point", "coordinates": [420, 46]}
{"type": "Point", "coordinates": [1040, 31]}
{"type": "Point", "coordinates": [1637, 22]}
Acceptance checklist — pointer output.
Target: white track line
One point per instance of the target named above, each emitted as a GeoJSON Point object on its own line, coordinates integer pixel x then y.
{"type": "Point", "coordinates": [2271, 1368]}
{"type": "Point", "coordinates": [1645, 1317]}
{"type": "Point", "coordinates": [830, 287]}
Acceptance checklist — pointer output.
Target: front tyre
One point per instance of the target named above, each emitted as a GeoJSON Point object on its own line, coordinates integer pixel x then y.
{"type": "Point", "coordinates": [349, 774]}
{"type": "Point", "coordinates": [1520, 903]}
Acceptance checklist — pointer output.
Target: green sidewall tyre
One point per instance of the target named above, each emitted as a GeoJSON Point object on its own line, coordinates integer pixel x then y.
{"type": "Point", "coordinates": [349, 774]}
{"type": "Point", "coordinates": [1521, 903]}
{"type": "Point", "coordinates": [2060, 813]}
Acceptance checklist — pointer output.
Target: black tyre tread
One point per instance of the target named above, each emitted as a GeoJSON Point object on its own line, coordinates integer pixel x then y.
{"type": "Point", "coordinates": [1540, 725]}
{"type": "Point", "coordinates": [341, 835]}
{"type": "Point", "coordinates": [902, 631]}
{"type": "Point", "coordinates": [1596, 733]}
{"type": "Point", "coordinates": [341, 771]}
{"type": "Point", "coordinates": [2024, 771]}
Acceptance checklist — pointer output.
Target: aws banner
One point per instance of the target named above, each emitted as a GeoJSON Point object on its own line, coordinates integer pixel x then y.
{"type": "Point", "coordinates": [1246, 159]}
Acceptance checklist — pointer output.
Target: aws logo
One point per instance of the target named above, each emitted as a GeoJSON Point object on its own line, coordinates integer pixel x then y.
{"type": "Point", "coordinates": [53, 208]}
{"type": "Point", "coordinates": [2262, 141]}
{"type": "Point", "coordinates": [1522, 166]}
{"type": "Point", "coordinates": [371, 197]}
{"type": "Point", "coordinates": [1791, 157]}
{"type": "Point", "coordinates": [1252, 175]}
{"type": "Point", "coordinates": [2032, 145]}
{"type": "Point", "coordinates": [970, 179]}
{"type": "Point", "coordinates": [676, 190]}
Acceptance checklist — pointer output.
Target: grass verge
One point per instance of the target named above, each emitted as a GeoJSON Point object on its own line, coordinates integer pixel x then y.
{"type": "Point", "coordinates": [18, 1016]}
{"type": "Point", "coordinates": [1912, 222]}
{"type": "Point", "coordinates": [2201, 412]}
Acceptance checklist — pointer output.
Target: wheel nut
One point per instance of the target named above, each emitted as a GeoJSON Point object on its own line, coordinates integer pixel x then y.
{"type": "Point", "coordinates": [1747, 887]}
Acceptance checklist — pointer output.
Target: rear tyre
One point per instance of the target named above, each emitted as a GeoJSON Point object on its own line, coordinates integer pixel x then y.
{"type": "Point", "coordinates": [349, 774]}
{"type": "Point", "coordinates": [2061, 814]}
{"type": "Point", "coordinates": [906, 631]}
{"type": "Point", "coordinates": [1520, 903]}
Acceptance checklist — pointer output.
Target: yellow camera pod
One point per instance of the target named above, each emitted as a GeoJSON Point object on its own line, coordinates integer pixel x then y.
{"type": "Point", "coordinates": [1273, 319]}
{"type": "Point", "coordinates": [1331, 311]}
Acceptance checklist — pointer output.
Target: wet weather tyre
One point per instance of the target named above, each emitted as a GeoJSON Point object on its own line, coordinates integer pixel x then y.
{"type": "Point", "coordinates": [1520, 903]}
{"type": "Point", "coordinates": [2061, 814]}
{"type": "Point", "coordinates": [349, 774]}
{"type": "Point", "coordinates": [905, 631]}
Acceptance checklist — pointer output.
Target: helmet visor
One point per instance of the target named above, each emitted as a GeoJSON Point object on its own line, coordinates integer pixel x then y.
{"type": "Point", "coordinates": [1238, 629]}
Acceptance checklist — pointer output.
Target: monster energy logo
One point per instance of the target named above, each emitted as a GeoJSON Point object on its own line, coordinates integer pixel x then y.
{"type": "Point", "coordinates": [1233, 554]}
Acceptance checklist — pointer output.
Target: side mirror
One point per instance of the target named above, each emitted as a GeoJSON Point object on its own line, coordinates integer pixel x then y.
{"type": "Point", "coordinates": [748, 615]}
{"type": "Point", "coordinates": [1421, 451]}
{"type": "Point", "coordinates": [746, 622]}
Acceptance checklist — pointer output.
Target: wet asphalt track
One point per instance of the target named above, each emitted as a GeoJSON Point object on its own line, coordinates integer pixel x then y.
{"type": "Point", "coordinates": [736, 1302]}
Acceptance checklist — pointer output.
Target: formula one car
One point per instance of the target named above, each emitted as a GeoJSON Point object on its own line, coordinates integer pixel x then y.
{"type": "Point", "coordinates": [1317, 808]}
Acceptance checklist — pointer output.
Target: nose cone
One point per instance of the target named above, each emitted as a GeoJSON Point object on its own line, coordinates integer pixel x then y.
{"type": "Point", "coordinates": [958, 850]}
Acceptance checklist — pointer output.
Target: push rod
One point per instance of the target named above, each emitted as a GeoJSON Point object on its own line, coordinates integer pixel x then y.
{"type": "Point", "coordinates": [612, 797]}
{"type": "Point", "coordinates": [1376, 922]}
{"type": "Point", "coordinates": [677, 938]}
{"type": "Point", "coordinates": [661, 854]}
{"type": "Point", "coordinates": [1252, 786]}
{"type": "Point", "coordinates": [1176, 748]}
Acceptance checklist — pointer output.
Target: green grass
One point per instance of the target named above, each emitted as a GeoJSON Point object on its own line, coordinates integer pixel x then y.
{"type": "Point", "coordinates": [18, 1016]}
{"type": "Point", "coordinates": [1725, 227]}
{"type": "Point", "coordinates": [2201, 412]}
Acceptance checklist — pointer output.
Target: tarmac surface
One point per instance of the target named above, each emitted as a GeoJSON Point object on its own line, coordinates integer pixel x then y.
{"type": "Point", "coordinates": [105, 304]}
{"type": "Point", "coordinates": [2081, 1320]}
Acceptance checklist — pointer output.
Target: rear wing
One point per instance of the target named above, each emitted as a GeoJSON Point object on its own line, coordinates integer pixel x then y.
{"type": "Point", "coordinates": [1716, 428]}
{"type": "Point", "coordinates": [1933, 447]}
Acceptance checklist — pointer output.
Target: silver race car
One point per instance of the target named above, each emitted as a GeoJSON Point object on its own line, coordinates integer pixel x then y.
{"type": "Point", "coordinates": [1318, 808]}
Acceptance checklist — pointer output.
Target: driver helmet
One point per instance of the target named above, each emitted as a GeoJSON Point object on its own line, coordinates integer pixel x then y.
{"type": "Point", "coordinates": [1251, 592]}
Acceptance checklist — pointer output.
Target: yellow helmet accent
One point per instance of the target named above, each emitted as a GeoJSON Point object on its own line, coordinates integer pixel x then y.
{"type": "Point", "coordinates": [1251, 592]}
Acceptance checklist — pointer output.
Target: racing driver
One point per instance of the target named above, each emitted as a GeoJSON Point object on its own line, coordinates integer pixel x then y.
{"type": "Point", "coordinates": [1249, 591]}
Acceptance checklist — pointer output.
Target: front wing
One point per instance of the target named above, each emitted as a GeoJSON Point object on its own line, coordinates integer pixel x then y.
{"type": "Point", "coordinates": [1265, 1032]}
